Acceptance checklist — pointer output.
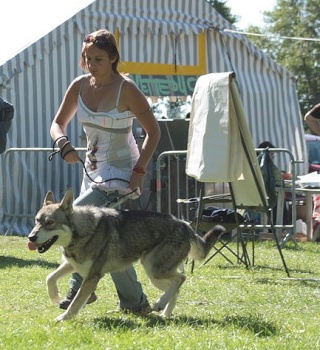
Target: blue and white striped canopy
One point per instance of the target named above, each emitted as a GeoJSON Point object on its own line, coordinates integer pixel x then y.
{"type": "Point", "coordinates": [186, 38]}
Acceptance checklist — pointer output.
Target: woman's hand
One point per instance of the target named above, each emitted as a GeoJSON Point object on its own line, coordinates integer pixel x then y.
{"type": "Point", "coordinates": [137, 181]}
{"type": "Point", "coordinates": [69, 154]}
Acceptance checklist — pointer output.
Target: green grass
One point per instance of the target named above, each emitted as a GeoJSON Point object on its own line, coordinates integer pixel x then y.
{"type": "Point", "coordinates": [221, 306]}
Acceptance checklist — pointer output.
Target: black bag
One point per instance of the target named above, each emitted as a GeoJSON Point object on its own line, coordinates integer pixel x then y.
{"type": "Point", "coordinates": [215, 214]}
{"type": "Point", "coordinates": [6, 115]}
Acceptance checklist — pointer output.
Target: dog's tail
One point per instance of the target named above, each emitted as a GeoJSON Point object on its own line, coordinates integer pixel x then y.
{"type": "Point", "coordinates": [201, 246]}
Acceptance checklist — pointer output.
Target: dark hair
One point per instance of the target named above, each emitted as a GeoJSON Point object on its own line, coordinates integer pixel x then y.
{"type": "Point", "coordinates": [266, 144]}
{"type": "Point", "coordinates": [104, 40]}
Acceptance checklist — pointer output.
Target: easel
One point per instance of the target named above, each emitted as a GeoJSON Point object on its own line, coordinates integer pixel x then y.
{"type": "Point", "coordinates": [212, 118]}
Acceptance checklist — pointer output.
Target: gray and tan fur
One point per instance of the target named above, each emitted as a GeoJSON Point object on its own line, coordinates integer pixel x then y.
{"type": "Point", "coordinates": [96, 241]}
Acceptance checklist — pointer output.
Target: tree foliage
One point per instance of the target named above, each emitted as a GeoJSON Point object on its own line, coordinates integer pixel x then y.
{"type": "Point", "coordinates": [223, 9]}
{"type": "Point", "coordinates": [283, 38]}
{"type": "Point", "coordinates": [294, 19]}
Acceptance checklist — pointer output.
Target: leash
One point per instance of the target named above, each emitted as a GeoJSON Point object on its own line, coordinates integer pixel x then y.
{"type": "Point", "coordinates": [55, 151]}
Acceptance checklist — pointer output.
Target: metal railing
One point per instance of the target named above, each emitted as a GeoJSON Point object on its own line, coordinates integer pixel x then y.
{"type": "Point", "coordinates": [26, 177]}
{"type": "Point", "coordinates": [173, 184]}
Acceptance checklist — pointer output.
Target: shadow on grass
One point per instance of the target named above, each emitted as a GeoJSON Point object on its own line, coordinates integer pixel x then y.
{"type": "Point", "coordinates": [255, 266]}
{"type": "Point", "coordinates": [7, 261]}
{"type": "Point", "coordinates": [309, 282]}
{"type": "Point", "coordinates": [253, 324]}
{"type": "Point", "coordinates": [265, 267]}
{"type": "Point", "coordinates": [291, 270]}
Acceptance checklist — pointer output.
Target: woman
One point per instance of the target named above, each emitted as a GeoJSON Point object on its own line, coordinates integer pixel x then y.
{"type": "Point", "coordinates": [273, 177]}
{"type": "Point", "coordinates": [312, 119]}
{"type": "Point", "coordinates": [105, 102]}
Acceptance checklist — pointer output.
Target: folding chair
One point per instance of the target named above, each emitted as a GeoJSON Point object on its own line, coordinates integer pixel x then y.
{"type": "Point", "coordinates": [220, 149]}
{"type": "Point", "coordinates": [236, 223]}
{"type": "Point", "coordinates": [208, 216]}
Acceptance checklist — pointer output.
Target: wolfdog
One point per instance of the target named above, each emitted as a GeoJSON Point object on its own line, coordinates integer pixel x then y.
{"type": "Point", "coordinates": [96, 240]}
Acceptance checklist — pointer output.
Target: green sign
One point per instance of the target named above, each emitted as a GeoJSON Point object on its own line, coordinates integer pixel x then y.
{"type": "Point", "coordinates": [162, 85]}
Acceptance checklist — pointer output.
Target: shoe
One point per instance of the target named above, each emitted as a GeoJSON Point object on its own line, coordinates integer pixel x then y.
{"type": "Point", "coordinates": [141, 310]}
{"type": "Point", "coordinates": [64, 304]}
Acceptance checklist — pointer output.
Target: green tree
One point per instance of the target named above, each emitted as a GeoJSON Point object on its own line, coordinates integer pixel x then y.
{"type": "Point", "coordinates": [223, 9]}
{"type": "Point", "coordinates": [294, 19]}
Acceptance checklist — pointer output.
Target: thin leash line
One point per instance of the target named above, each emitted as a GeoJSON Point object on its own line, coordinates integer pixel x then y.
{"type": "Point", "coordinates": [54, 152]}
{"type": "Point", "coordinates": [100, 182]}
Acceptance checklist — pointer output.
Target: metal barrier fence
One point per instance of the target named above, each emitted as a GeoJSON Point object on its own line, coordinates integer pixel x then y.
{"type": "Point", "coordinates": [27, 175]}
{"type": "Point", "coordinates": [172, 183]}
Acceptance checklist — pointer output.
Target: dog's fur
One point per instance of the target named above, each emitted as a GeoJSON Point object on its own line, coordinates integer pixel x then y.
{"type": "Point", "coordinates": [96, 240]}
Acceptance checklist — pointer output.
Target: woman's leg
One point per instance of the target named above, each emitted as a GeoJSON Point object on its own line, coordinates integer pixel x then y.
{"type": "Point", "coordinates": [89, 197]}
{"type": "Point", "coordinates": [128, 288]}
{"type": "Point", "coordinates": [130, 291]}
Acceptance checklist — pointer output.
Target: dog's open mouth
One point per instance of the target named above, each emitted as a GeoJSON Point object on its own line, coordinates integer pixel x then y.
{"type": "Point", "coordinates": [42, 247]}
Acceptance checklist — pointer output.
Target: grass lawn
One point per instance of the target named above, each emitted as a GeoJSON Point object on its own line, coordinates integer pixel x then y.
{"type": "Point", "coordinates": [221, 306]}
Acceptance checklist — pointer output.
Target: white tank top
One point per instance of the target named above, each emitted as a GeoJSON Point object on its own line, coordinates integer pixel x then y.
{"type": "Point", "coordinates": [112, 150]}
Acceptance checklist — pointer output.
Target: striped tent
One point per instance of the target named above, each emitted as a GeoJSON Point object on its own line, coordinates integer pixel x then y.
{"type": "Point", "coordinates": [165, 46]}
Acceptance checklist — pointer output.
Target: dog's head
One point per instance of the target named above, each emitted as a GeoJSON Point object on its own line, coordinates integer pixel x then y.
{"type": "Point", "coordinates": [52, 223]}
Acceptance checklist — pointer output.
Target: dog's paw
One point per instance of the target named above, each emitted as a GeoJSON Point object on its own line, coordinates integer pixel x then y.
{"type": "Point", "coordinates": [166, 314]}
{"type": "Point", "coordinates": [166, 311]}
{"type": "Point", "coordinates": [158, 306]}
{"type": "Point", "coordinates": [55, 299]}
{"type": "Point", "coordinates": [64, 317]}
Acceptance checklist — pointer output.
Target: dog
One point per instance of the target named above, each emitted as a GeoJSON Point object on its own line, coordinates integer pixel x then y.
{"type": "Point", "coordinates": [96, 241]}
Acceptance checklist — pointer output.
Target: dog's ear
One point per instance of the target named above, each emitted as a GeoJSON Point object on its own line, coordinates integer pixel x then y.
{"type": "Point", "coordinates": [49, 198]}
{"type": "Point", "coordinates": [67, 200]}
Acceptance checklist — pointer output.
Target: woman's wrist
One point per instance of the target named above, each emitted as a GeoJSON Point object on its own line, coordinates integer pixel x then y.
{"type": "Point", "coordinates": [139, 170]}
{"type": "Point", "coordinates": [60, 141]}
{"type": "Point", "coordinates": [66, 148]}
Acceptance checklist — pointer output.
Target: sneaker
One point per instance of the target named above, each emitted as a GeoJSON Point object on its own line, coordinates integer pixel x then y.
{"type": "Point", "coordinates": [64, 304]}
{"type": "Point", "coordinates": [141, 310]}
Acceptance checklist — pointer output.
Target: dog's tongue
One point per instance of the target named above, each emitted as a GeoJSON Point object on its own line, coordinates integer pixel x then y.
{"type": "Point", "coordinates": [31, 246]}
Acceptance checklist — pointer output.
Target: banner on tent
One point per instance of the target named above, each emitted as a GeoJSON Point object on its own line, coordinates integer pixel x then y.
{"type": "Point", "coordinates": [163, 85]}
